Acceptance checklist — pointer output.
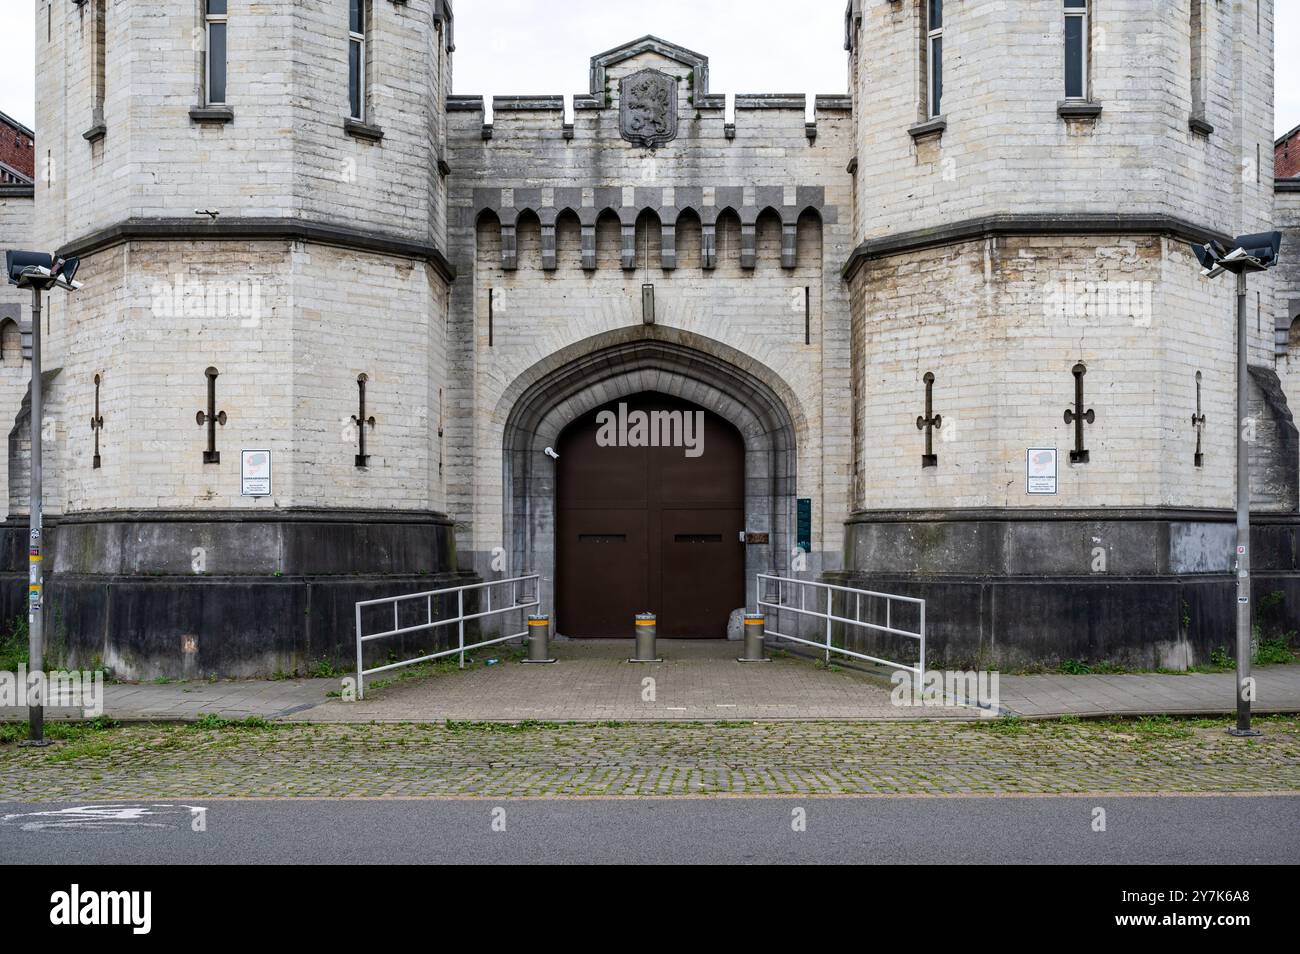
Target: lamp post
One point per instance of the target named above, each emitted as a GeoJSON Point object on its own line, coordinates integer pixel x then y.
{"type": "Point", "coordinates": [1250, 253]}
{"type": "Point", "coordinates": [39, 272]}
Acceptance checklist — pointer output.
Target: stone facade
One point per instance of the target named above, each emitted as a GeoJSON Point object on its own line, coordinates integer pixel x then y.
{"type": "Point", "coordinates": [741, 229]}
{"type": "Point", "coordinates": [808, 264]}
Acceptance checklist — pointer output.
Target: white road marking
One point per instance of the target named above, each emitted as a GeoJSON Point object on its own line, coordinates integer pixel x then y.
{"type": "Point", "coordinates": [105, 817]}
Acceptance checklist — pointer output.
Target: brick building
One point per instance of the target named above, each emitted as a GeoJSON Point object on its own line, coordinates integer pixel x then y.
{"type": "Point", "coordinates": [1286, 155]}
{"type": "Point", "coordinates": [17, 152]}
{"type": "Point", "coordinates": [880, 303]}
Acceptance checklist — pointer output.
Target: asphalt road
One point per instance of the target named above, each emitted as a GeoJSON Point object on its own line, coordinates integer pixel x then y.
{"type": "Point", "coordinates": [978, 830]}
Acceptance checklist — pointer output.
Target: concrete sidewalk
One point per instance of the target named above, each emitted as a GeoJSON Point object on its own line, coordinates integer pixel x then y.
{"type": "Point", "coordinates": [697, 681]}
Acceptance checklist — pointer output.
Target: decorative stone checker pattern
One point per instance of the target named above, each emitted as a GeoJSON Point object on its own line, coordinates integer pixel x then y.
{"type": "Point", "coordinates": [621, 759]}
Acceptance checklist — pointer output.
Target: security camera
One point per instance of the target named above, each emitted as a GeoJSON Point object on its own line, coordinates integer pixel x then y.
{"type": "Point", "coordinates": [550, 452]}
{"type": "Point", "coordinates": [40, 270]}
{"type": "Point", "coordinates": [1250, 253]}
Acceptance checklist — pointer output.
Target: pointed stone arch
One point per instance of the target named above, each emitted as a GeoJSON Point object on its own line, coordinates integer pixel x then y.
{"type": "Point", "coordinates": [543, 400]}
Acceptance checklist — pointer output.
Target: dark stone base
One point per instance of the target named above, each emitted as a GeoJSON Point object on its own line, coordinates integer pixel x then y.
{"type": "Point", "coordinates": [276, 593]}
{"type": "Point", "coordinates": [1011, 589]}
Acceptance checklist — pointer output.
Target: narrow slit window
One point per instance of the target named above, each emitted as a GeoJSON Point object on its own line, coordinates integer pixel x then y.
{"type": "Point", "coordinates": [215, 26]}
{"type": "Point", "coordinates": [99, 63]}
{"type": "Point", "coordinates": [1076, 49]}
{"type": "Point", "coordinates": [934, 58]}
{"type": "Point", "coordinates": [357, 59]}
{"type": "Point", "coordinates": [1197, 34]}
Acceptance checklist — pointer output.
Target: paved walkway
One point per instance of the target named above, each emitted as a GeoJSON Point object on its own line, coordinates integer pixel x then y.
{"type": "Point", "coordinates": [1278, 690]}
{"type": "Point", "coordinates": [697, 681]}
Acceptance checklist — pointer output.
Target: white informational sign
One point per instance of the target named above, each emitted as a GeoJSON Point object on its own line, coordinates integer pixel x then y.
{"type": "Point", "coordinates": [255, 473]}
{"type": "Point", "coordinates": [1040, 470]}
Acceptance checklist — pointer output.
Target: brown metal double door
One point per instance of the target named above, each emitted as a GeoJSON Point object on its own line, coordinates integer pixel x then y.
{"type": "Point", "coordinates": [644, 528]}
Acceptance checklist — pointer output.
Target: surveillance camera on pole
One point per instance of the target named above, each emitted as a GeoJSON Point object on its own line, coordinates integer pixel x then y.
{"type": "Point", "coordinates": [1249, 253]}
{"type": "Point", "coordinates": [40, 272]}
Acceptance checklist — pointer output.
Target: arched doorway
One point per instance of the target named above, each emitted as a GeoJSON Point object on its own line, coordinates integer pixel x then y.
{"type": "Point", "coordinates": [583, 377]}
{"type": "Point", "coordinates": [650, 509]}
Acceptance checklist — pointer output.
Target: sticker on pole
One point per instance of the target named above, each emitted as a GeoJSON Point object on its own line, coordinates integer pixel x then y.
{"type": "Point", "coordinates": [255, 473]}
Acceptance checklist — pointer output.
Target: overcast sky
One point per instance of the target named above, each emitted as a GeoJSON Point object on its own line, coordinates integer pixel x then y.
{"type": "Point", "coordinates": [542, 46]}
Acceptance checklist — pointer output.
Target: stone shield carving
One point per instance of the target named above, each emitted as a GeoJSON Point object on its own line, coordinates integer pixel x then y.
{"type": "Point", "coordinates": [648, 108]}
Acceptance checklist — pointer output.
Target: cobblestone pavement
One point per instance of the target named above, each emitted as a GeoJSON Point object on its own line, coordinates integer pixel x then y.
{"type": "Point", "coordinates": [698, 680]}
{"type": "Point", "coordinates": [204, 760]}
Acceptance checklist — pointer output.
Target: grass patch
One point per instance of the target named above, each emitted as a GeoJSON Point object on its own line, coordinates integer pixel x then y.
{"type": "Point", "coordinates": [1003, 725]}
{"type": "Point", "coordinates": [212, 723]}
{"type": "Point", "coordinates": [1271, 652]}
{"type": "Point", "coordinates": [1073, 667]}
{"type": "Point", "coordinates": [435, 667]}
{"type": "Point", "coordinates": [57, 731]}
{"type": "Point", "coordinates": [325, 670]}
{"type": "Point", "coordinates": [1156, 727]}
{"type": "Point", "coordinates": [512, 728]}
{"type": "Point", "coordinates": [13, 644]}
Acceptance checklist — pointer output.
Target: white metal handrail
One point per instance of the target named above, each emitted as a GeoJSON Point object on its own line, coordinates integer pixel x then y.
{"type": "Point", "coordinates": [824, 610]}
{"type": "Point", "coordinates": [516, 603]}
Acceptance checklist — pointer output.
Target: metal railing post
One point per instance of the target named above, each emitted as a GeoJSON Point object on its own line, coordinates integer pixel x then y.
{"type": "Point", "coordinates": [921, 662]}
{"type": "Point", "coordinates": [460, 611]}
{"type": "Point", "coordinates": [361, 689]}
{"type": "Point", "coordinates": [829, 594]}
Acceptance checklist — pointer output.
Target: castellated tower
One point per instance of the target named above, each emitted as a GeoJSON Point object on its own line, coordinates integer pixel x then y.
{"type": "Point", "coordinates": [1028, 180]}
{"type": "Point", "coordinates": [257, 195]}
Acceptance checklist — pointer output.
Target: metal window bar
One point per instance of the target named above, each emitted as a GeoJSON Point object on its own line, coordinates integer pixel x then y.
{"type": "Point", "coordinates": [524, 594]}
{"type": "Point", "coordinates": [771, 595]}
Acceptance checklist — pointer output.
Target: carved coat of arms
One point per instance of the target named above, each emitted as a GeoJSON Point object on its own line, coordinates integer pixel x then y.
{"type": "Point", "coordinates": [648, 108]}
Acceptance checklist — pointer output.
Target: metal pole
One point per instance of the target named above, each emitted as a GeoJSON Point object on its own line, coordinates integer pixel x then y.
{"type": "Point", "coordinates": [921, 658]}
{"type": "Point", "coordinates": [35, 587]}
{"type": "Point", "coordinates": [1243, 520]}
{"type": "Point", "coordinates": [460, 611]}
{"type": "Point", "coordinates": [361, 688]}
{"type": "Point", "coordinates": [829, 594]}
